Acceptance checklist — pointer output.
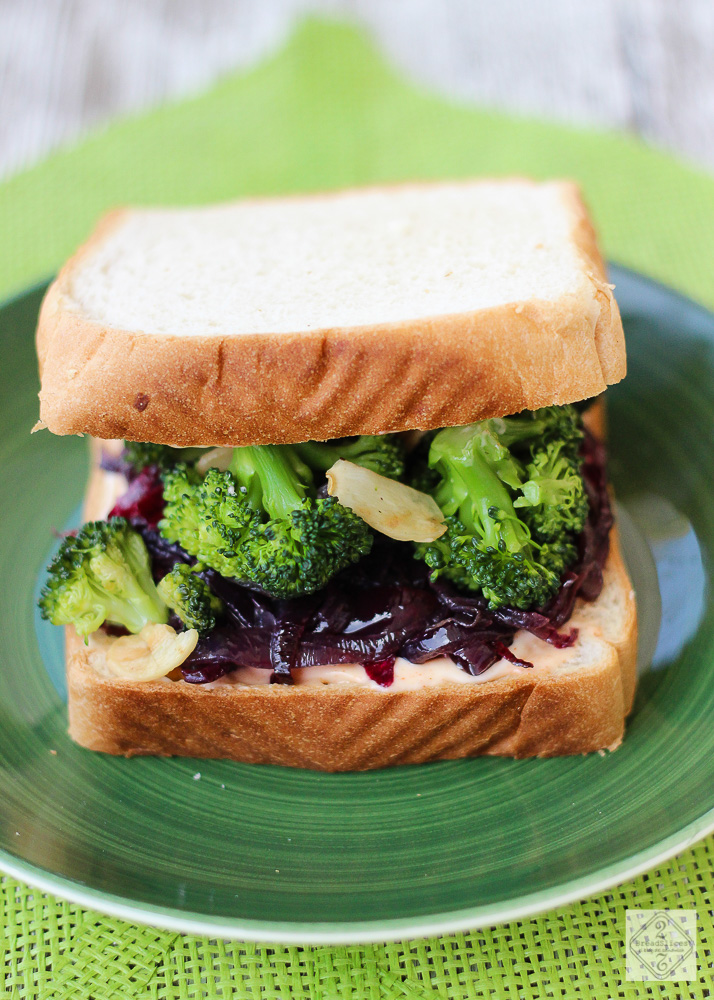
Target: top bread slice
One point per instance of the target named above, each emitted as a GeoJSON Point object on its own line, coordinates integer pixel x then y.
{"type": "Point", "coordinates": [313, 317]}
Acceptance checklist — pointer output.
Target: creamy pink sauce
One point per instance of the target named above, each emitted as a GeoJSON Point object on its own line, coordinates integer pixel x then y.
{"type": "Point", "coordinates": [410, 676]}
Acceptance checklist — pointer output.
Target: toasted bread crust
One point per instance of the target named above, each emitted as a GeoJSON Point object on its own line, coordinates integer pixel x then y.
{"type": "Point", "coordinates": [319, 384]}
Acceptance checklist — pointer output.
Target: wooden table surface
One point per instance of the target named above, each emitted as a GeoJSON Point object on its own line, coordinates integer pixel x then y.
{"type": "Point", "coordinates": [643, 65]}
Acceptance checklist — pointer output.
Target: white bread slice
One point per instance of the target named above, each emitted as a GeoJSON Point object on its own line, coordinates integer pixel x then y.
{"type": "Point", "coordinates": [365, 311]}
{"type": "Point", "coordinates": [576, 706]}
{"type": "Point", "coordinates": [614, 617]}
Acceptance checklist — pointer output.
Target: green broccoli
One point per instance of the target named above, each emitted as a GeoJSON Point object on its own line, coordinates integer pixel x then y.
{"type": "Point", "coordinates": [554, 499]}
{"type": "Point", "coordinates": [382, 453]}
{"type": "Point", "coordinates": [261, 523]}
{"type": "Point", "coordinates": [139, 454]}
{"type": "Point", "coordinates": [198, 512]}
{"type": "Point", "coordinates": [551, 423]}
{"type": "Point", "coordinates": [420, 475]}
{"type": "Point", "coordinates": [103, 573]}
{"type": "Point", "coordinates": [508, 538]}
{"type": "Point", "coordinates": [190, 598]}
{"type": "Point", "coordinates": [486, 546]}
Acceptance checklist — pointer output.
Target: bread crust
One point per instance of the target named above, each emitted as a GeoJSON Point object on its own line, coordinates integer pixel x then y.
{"type": "Point", "coordinates": [335, 729]}
{"type": "Point", "coordinates": [319, 384]}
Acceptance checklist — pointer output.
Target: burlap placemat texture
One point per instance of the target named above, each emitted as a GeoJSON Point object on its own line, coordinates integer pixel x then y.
{"type": "Point", "coordinates": [327, 111]}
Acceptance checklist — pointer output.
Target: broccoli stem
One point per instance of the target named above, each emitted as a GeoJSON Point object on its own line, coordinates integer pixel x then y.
{"type": "Point", "coordinates": [474, 490]}
{"type": "Point", "coordinates": [133, 610]}
{"type": "Point", "coordinates": [518, 429]}
{"type": "Point", "coordinates": [382, 453]}
{"type": "Point", "coordinates": [273, 477]}
{"type": "Point", "coordinates": [319, 454]}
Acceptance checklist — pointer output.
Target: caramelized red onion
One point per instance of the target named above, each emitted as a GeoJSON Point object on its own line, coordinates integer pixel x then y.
{"type": "Point", "coordinates": [143, 500]}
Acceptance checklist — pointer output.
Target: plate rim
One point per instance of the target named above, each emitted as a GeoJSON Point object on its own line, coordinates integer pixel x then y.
{"type": "Point", "coordinates": [364, 931]}
{"type": "Point", "coordinates": [380, 930]}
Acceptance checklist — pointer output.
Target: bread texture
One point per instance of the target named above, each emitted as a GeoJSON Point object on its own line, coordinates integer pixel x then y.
{"type": "Point", "coordinates": [314, 317]}
{"type": "Point", "coordinates": [575, 707]}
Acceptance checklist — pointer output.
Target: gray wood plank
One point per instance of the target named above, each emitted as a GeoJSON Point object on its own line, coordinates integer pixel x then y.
{"type": "Point", "coordinates": [646, 65]}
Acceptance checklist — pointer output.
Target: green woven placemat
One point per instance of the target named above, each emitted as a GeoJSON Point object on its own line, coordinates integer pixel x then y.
{"type": "Point", "coordinates": [327, 111]}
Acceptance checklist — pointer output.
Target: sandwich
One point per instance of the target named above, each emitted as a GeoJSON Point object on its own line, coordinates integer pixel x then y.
{"type": "Point", "coordinates": [348, 504]}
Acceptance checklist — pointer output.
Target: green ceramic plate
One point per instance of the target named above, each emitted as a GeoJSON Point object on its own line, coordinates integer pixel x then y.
{"type": "Point", "coordinates": [280, 854]}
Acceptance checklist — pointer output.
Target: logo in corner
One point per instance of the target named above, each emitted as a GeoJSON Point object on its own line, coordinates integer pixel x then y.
{"type": "Point", "coordinates": [661, 945]}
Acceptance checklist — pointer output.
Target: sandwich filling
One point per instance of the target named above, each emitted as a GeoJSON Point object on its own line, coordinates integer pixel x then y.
{"type": "Point", "coordinates": [276, 580]}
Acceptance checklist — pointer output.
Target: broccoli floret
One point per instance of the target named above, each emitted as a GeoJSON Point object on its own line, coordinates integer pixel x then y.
{"type": "Point", "coordinates": [190, 598]}
{"type": "Point", "coordinates": [259, 522]}
{"type": "Point", "coordinates": [554, 500]}
{"type": "Point", "coordinates": [549, 424]}
{"type": "Point", "coordinates": [514, 500]}
{"type": "Point", "coordinates": [382, 453]}
{"type": "Point", "coordinates": [140, 454]}
{"type": "Point", "coordinates": [207, 517]}
{"type": "Point", "coordinates": [486, 547]}
{"type": "Point", "coordinates": [103, 573]}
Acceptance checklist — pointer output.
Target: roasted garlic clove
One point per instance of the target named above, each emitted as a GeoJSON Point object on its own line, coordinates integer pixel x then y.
{"type": "Point", "coordinates": [387, 506]}
{"type": "Point", "coordinates": [216, 458]}
{"type": "Point", "coordinates": [150, 654]}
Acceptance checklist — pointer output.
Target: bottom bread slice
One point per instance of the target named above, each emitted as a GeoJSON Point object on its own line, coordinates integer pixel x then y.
{"type": "Point", "coordinates": [577, 707]}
